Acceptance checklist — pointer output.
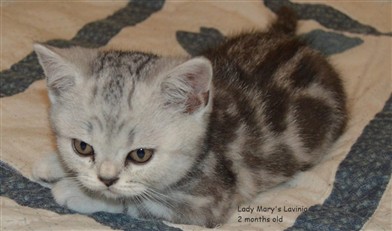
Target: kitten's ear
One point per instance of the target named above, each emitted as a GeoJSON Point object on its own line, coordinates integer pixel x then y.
{"type": "Point", "coordinates": [62, 66]}
{"type": "Point", "coordinates": [188, 86]}
{"type": "Point", "coordinates": [57, 69]}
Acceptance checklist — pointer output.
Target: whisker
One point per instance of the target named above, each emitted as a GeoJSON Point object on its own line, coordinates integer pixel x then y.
{"type": "Point", "coordinates": [146, 212]}
{"type": "Point", "coordinates": [160, 198]}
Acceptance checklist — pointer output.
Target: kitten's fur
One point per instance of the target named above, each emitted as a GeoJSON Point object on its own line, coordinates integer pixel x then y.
{"type": "Point", "coordinates": [245, 117]}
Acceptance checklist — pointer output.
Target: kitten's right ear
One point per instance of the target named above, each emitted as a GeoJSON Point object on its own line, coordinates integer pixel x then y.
{"type": "Point", "coordinates": [58, 70]}
{"type": "Point", "coordinates": [188, 86]}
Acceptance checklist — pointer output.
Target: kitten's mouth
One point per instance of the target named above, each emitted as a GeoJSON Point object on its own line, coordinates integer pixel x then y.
{"type": "Point", "coordinates": [117, 192]}
{"type": "Point", "coordinates": [111, 193]}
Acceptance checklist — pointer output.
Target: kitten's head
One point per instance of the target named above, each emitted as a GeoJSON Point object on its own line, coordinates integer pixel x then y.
{"type": "Point", "coordinates": [126, 122]}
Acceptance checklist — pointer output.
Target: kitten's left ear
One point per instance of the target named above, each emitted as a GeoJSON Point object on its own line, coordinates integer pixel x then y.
{"type": "Point", "coordinates": [188, 86]}
{"type": "Point", "coordinates": [62, 66]}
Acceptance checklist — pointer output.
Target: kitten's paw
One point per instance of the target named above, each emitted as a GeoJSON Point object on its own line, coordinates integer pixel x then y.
{"type": "Point", "coordinates": [67, 193]}
{"type": "Point", "coordinates": [48, 170]}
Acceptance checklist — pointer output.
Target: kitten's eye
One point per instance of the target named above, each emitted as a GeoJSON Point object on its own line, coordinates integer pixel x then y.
{"type": "Point", "coordinates": [82, 148]}
{"type": "Point", "coordinates": [140, 155]}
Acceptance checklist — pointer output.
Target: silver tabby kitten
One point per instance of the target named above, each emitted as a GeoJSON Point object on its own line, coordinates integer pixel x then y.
{"type": "Point", "coordinates": [187, 139]}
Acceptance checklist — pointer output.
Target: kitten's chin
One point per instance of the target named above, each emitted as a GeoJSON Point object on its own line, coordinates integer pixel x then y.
{"type": "Point", "coordinates": [118, 191]}
{"type": "Point", "coordinates": [114, 194]}
{"type": "Point", "coordinates": [109, 194]}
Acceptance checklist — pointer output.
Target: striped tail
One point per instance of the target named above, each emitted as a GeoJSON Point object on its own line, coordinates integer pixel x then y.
{"type": "Point", "coordinates": [286, 22]}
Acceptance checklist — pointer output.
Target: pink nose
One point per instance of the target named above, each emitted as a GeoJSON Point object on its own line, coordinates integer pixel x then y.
{"type": "Point", "coordinates": [108, 182]}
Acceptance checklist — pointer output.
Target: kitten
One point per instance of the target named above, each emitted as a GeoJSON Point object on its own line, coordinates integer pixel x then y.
{"type": "Point", "coordinates": [188, 139]}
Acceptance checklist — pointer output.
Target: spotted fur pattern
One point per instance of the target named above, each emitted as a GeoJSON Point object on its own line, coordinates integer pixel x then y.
{"type": "Point", "coordinates": [243, 118]}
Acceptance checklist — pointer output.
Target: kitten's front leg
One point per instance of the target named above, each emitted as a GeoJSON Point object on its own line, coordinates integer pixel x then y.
{"type": "Point", "coordinates": [48, 170]}
{"type": "Point", "coordinates": [67, 193]}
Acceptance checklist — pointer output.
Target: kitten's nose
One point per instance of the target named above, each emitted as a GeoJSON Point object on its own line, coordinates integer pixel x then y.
{"type": "Point", "coordinates": [108, 173]}
{"type": "Point", "coordinates": [108, 181]}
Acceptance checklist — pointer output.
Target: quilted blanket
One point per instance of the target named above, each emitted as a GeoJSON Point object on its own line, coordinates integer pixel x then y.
{"type": "Point", "coordinates": [349, 190]}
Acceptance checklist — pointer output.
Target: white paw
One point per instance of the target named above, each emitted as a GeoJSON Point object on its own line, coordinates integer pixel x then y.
{"type": "Point", "coordinates": [133, 211]}
{"type": "Point", "coordinates": [67, 193]}
{"type": "Point", "coordinates": [48, 170]}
